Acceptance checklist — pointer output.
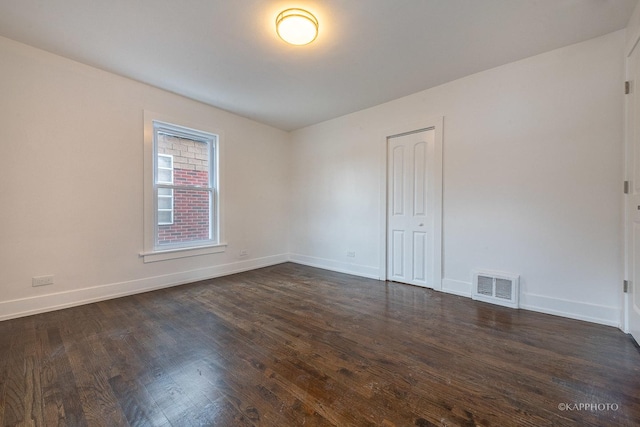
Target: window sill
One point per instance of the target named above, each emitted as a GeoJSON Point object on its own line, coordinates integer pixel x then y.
{"type": "Point", "coordinates": [182, 252]}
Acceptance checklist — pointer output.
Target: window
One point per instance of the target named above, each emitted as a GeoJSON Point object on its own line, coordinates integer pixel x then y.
{"type": "Point", "coordinates": [183, 186]}
{"type": "Point", "coordinates": [165, 195]}
{"type": "Point", "coordinates": [182, 215]}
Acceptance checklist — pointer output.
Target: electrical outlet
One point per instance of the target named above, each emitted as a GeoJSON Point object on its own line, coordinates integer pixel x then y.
{"type": "Point", "coordinates": [243, 253]}
{"type": "Point", "coordinates": [42, 281]}
{"type": "Point", "coordinates": [351, 254]}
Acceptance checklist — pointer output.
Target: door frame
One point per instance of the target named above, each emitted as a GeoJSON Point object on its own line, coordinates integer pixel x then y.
{"type": "Point", "coordinates": [437, 124]}
{"type": "Point", "coordinates": [629, 158]}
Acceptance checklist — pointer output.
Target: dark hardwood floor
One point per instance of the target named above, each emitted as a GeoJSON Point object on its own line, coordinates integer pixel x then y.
{"type": "Point", "coordinates": [295, 346]}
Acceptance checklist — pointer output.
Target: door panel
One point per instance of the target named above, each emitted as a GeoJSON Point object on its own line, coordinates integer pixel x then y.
{"type": "Point", "coordinates": [408, 257]}
{"type": "Point", "coordinates": [398, 180]}
{"type": "Point", "coordinates": [397, 270]}
{"type": "Point", "coordinates": [420, 179]}
{"type": "Point", "coordinates": [420, 256]}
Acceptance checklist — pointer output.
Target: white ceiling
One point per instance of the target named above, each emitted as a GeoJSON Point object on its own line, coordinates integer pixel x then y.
{"type": "Point", "coordinates": [226, 53]}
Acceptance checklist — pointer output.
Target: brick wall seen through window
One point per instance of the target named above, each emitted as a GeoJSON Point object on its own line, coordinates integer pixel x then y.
{"type": "Point", "coordinates": [190, 207]}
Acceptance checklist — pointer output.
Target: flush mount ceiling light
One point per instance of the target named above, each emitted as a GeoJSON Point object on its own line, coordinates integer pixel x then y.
{"type": "Point", "coordinates": [297, 26]}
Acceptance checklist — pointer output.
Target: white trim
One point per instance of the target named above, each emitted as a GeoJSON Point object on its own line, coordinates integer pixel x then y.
{"type": "Point", "coordinates": [437, 124]}
{"type": "Point", "coordinates": [337, 266]}
{"type": "Point", "coordinates": [457, 287]}
{"type": "Point", "coordinates": [216, 183]}
{"type": "Point", "coordinates": [595, 313]}
{"type": "Point", "coordinates": [600, 314]}
{"type": "Point", "coordinates": [211, 141]}
{"type": "Point", "coordinates": [627, 264]}
{"type": "Point", "coordinates": [57, 301]}
{"type": "Point", "coordinates": [182, 252]}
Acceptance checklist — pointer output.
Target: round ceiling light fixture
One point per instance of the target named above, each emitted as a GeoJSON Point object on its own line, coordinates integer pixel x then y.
{"type": "Point", "coordinates": [297, 26]}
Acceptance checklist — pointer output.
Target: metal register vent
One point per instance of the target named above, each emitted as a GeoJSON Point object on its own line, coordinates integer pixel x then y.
{"type": "Point", "coordinates": [496, 288]}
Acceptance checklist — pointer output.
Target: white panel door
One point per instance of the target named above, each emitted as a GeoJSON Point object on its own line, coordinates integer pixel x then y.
{"type": "Point", "coordinates": [632, 299]}
{"type": "Point", "coordinates": [410, 216]}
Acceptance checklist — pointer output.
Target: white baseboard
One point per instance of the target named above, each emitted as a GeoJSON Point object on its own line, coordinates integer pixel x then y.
{"type": "Point", "coordinates": [56, 301]}
{"type": "Point", "coordinates": [457, 287]}
{"type": "Point", "coordinates": [595, 313]}
{"type": "Point", "coordinates": [340, 267]}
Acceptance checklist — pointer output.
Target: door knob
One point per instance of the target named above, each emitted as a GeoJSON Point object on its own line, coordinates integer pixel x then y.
{"type": "Point", "coordinates": [421, 224]}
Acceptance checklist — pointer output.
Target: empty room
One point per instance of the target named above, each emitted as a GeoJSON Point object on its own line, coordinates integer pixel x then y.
{"type": "Point", "coordinates": [320, 213]}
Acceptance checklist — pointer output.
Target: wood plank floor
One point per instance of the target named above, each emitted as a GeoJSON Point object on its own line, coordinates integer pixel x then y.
{"type": "Point", "coordinates": [291, 345]}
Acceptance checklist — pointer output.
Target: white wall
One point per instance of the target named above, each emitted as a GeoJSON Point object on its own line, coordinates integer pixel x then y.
{"type": "Point", "coordinates": [632, 30]}
{"type": "Point", "coordinates": [72, 184]}
{"type": "Point", "coordinates": [532, 180]}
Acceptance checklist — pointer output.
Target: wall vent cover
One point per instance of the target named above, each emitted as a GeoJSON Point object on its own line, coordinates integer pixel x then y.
{"type": "Point", "coordinates": [496, 288]}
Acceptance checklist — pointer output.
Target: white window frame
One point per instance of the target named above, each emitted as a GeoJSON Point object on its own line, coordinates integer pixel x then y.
{"type": "Point", "coordinates": [154, 123]}
{"type": "Point", "coordinates": [170, 196]}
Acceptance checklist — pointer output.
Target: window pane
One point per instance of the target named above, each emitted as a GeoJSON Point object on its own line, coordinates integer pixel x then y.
{"type": "Point", "coordinates": [191, 213]}
{"type": "Point", "coordinates": [183, 160]}
{"type": "Point", "coordinates": [164, 162]}
{"type": "Point", "coordinates": [165, 203]}
{"type": "Point", "coordinates": [164, 217]}
{"type": "Point", "coordinates": [190, 160]}
{"type": "Point", "coordinates": [165, 175]}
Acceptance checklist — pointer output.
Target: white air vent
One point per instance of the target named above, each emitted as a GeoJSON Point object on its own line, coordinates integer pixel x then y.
{"type": "Point", "coordinates": [496, 288]}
